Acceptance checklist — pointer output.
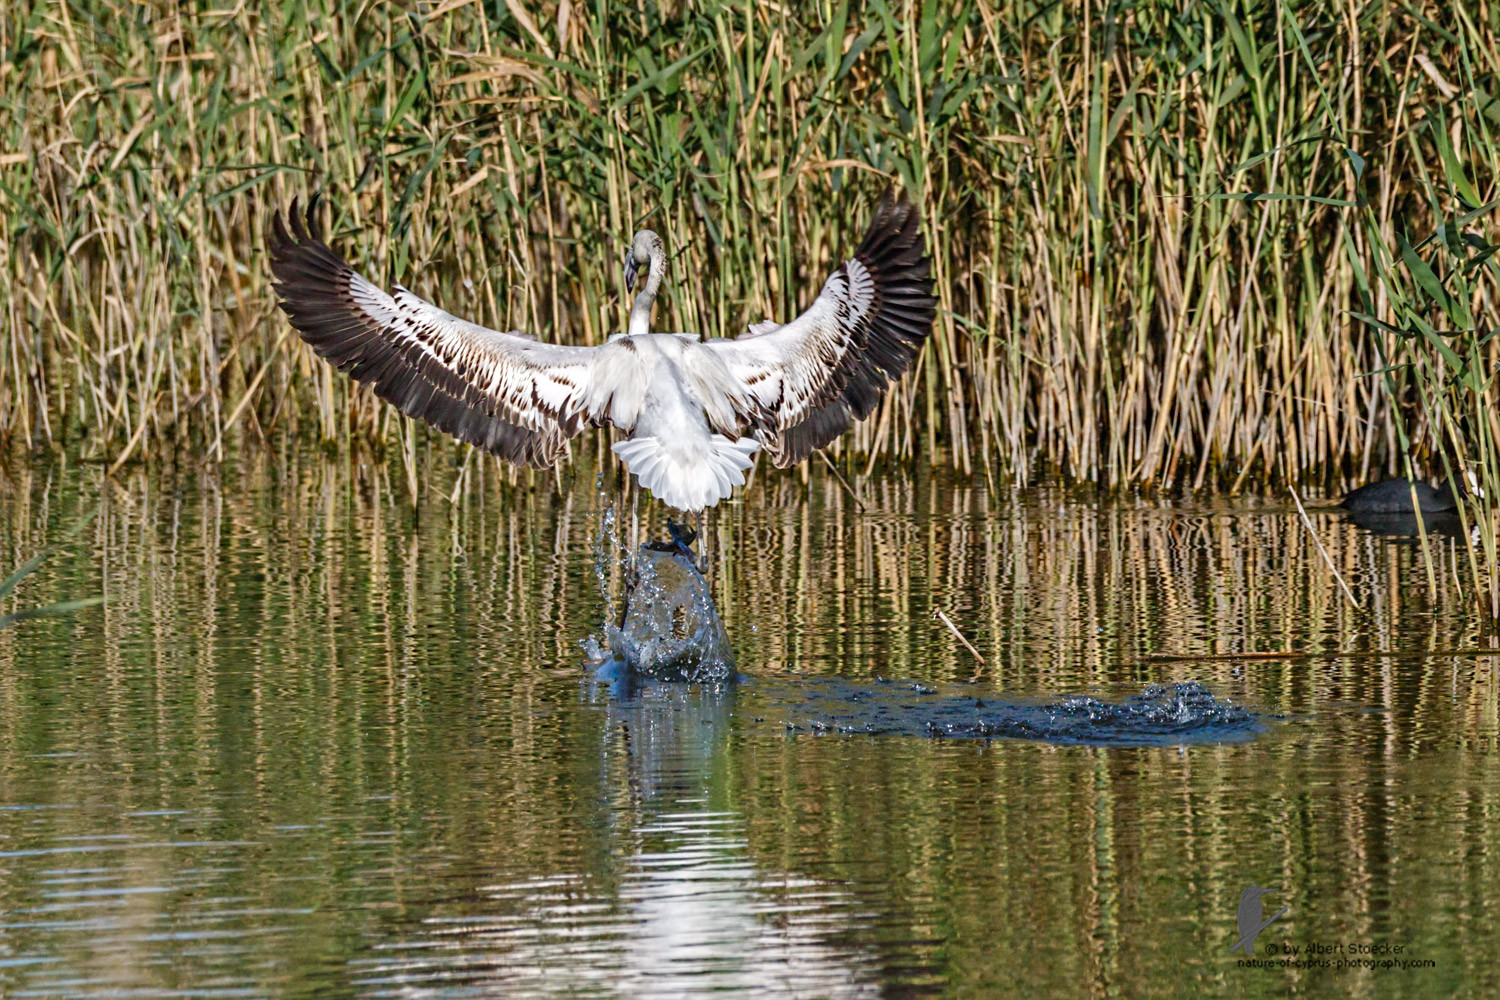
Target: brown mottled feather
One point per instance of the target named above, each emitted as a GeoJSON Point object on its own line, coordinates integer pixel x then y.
{"type": "Point", "coordinates": [481, 386]}
{"type": "Point", "coordinates": [815, 376]}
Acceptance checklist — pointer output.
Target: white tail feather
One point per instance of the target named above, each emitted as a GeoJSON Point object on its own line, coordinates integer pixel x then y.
{"type": "Point", "coordinates": [688, 477]}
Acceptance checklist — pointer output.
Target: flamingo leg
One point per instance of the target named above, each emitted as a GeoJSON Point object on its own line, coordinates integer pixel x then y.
{"type": "Point", "coordinates": [703, 545]}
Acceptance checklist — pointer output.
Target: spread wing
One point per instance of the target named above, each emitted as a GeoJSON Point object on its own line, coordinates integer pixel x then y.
{"type": "Point", "coordinates": [504, 392]}
{"type": "Point", "coordinates": [813, 377]}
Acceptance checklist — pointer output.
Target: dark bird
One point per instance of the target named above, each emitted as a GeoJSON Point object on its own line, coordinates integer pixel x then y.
{"type": "Point", "coordinates": [1248, 917]}
{"type": "Point", "coordinates": [694, 412]}
{"type": "Point", "coordinates": [681, 540]}
{"type": "Point", "coordinates": [1394, 496]}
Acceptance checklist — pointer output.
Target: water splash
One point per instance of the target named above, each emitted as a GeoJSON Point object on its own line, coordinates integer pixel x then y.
{"type": "Point", "coordinates": [669, 628]}
{"type": "Point", "coordinates": [1160, 715]}
{"type": "Point", "coordinates": [610, 551]}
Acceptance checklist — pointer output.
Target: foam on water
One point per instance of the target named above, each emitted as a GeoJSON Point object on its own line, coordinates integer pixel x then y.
{"type": "Point", "coordinates": [670, 628]}
{"type": "Point", "coordinates": [1160, 715]}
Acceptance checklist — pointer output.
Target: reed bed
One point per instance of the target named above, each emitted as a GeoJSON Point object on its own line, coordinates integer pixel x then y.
{"type": "Point", "coordinates": [1193, 244]}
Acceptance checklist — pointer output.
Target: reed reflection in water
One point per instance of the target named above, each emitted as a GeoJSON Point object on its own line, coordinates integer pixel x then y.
{"type": "Point", "coordinates": [687, 909]}
{"type": "Point", "coordinates": [318, 743]}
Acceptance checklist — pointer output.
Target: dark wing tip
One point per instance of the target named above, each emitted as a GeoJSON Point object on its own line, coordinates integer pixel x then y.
{"type": "Point", "coordinates": [280, 238]}
{"type": "Point", "coordinates": [884, 339]}
{"type": "Point", "coordinates": [313, 283]}
{"type": "Point", "coordinates": [900, 321]}
{"type": "Point", "coordinates": [296, 238]}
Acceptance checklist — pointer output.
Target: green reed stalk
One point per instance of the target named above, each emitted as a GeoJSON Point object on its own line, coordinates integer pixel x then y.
{"type": "Point", "coordinates": [1158, 228]}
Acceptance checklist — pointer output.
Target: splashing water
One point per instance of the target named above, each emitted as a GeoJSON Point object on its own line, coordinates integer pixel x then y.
{"type": "Point", "coordinates": [610, 551]}
{"type": "Point", "coordinates": [670, 628]}
{"type": "Point", "coordinates": [1160, 715]}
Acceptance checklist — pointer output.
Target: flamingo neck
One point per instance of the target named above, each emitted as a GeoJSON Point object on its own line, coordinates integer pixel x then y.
{"type": "Point", "coordinates": [640, 313]}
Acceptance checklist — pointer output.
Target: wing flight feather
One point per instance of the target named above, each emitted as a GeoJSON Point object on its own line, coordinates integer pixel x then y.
{"type": "Point", "coordinates": [504, 392]}
{"type": "Point", "coordinates": [812, 378]}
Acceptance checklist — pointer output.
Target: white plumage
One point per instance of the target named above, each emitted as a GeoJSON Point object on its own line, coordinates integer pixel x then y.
{"type": "Point", "coordinates": [695, 412]}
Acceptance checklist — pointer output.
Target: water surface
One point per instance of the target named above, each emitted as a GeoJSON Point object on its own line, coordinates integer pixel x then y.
{"type": "Point", "coordinates": [319, 744]}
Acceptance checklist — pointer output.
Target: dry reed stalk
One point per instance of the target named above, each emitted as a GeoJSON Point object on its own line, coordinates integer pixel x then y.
{"type": "Point", "coordinates": [1171, 248]}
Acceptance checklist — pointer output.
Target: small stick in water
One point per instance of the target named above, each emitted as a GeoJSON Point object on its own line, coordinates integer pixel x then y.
{"type": "Point", "coordinates": [937, 613]}
{"type": "Point", "coordinates": [1324, 552]}
{"type": "Point", "coordinates": [839, 476]}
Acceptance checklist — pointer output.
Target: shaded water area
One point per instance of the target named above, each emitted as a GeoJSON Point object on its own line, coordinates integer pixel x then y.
{"type": "Point", "coordinates": [317, 745]}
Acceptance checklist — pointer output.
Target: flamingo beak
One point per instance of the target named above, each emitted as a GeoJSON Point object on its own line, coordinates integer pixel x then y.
{"type": "Point", "coordinates": [630, 270]}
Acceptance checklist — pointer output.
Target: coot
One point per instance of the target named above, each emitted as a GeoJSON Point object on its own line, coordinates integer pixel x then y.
{"type": "Point", "coordinates": [1393, 496]}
